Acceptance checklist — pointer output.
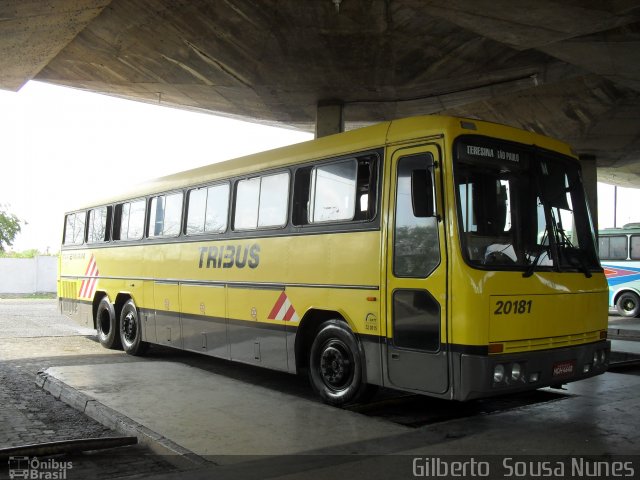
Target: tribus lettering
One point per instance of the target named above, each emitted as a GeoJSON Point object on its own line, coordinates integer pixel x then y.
{"type": "Point", "coordinates": [228, 256]}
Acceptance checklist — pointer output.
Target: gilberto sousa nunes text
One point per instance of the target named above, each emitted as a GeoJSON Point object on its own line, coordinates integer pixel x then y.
{"type": "Point", "coordinates": [524, 467]}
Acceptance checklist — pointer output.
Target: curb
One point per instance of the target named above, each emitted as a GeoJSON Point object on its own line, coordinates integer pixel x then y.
{"type": "Point", "coordinates": [171, 451]}
{"type": "Point", "coordinates": [623, 334]}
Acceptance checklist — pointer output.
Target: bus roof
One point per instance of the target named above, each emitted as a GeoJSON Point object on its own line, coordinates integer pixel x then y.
{"type": "Point", "coordinates": [629, 228]}
{"type": "Point", "coordinates": [375, 136]}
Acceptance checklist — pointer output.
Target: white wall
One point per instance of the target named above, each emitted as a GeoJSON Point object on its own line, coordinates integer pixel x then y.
{"type": "Point", "coordinates": [28, 275]}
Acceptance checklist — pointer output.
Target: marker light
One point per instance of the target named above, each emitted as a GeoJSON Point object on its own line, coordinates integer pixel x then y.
{"type": "Point", "coordinates": [498, 373]}
{"type": "Point", "coordinates": [586, 368]}
{"type": "Point", "coordinates": [516, 372]}
{"type": "Point", "coordinates": [534, 377]}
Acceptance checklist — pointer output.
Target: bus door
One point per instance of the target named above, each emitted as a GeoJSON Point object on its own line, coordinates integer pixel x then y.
{"type": "Point", "coordinates": [416, 273]}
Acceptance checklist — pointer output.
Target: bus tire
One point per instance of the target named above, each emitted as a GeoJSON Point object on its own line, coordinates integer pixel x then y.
{"type": "Point", "coordinates": [336, 365]}
{"type": "Point", "coordinates": [628, 304]}
{"type": "Point", "coordinates": [131, 330]}
{"type": "Point", "coordinates": [107, 324]}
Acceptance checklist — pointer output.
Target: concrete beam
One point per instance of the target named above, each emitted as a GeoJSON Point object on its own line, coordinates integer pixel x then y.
{"type": "Point", "coordinates": [329, 118]}
{"type": "Point", "coordinates": [34, 32]}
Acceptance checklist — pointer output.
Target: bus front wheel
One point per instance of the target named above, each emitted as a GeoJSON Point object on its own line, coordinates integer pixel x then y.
{"type": "Point", "coordinates": [628, 305]}
{"type": "Point", "coordinates": [335, 364]}
{"type": "Point", "coordinates": [131, 330]}
{"type": "Point", "coordinates": [107, 325]}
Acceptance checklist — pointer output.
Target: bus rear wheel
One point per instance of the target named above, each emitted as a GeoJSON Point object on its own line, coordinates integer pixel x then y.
{"type": "Point", "coordinates": [107, 325]}
{"type": "Point", "coordinates": [131, 330]}
{"type": "Point", "coordinates": [628, 305]}
{"type": "Point", "coordinates": [335, 364]}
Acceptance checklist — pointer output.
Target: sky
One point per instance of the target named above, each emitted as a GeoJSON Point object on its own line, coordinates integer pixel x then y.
{"type": "Point", "coordinates": [61, 147]}
{"type": "Point", "coordinates": [626, 206]}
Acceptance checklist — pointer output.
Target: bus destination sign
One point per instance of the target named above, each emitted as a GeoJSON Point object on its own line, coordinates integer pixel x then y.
{"type": "Point", "coordinates": [497, 153]}
{"type": "Point", "coordinates": [478, 150]}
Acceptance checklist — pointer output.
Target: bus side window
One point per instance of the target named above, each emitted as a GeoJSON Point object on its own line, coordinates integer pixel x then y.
{"type": "Point", "coordinates": [165, 215]}
{"type": "Point", "coordinates": [333, 192]}
{"type": "Point", "coordinates": [301, 186]}
{"type": "Point", "coordinates": [635, 247]}
{"type": "Point", "coordinates": [99, 225]}
{"type": "Point", "coordinates": [207, 209]}
{"type": "Point", "coordinates": [262, 202]}
{"type": "Point", "coordinates": [128, 220]}
{"type": "Point", "coordinates": [613, 247]}
{"type": "Point", "coordinates": [68, 228]}
{"type": "Point", "coordinates": [365, 188]}
{"type": "Point", "coordinates": [116, 232]}
{"type": "Point", "coordinates": [340, 191]}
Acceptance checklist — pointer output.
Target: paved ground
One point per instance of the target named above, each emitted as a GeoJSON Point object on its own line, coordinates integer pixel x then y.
{"type": "Point", "coordinates": [30, 416]}
{"type": "Point", "coordinates": [33, 337]}
{"type": "Point", "coordinates": [598, 416]}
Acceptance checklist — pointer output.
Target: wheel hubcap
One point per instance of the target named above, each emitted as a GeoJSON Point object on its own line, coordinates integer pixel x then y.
{"type": "Point", "coordinates": [129, 327]}
{"type": "Point", "coordinates": [336, 365]}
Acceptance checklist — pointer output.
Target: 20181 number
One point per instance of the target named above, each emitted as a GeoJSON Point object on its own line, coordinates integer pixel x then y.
{"type": "Point", "coordinates": [518, 307]}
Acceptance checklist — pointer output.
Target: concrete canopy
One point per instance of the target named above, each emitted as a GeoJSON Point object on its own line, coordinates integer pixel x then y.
{"type": "Point", "coordinates": [569, 69]}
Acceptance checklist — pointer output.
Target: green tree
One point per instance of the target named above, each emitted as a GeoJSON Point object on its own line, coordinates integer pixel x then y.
{"type": "Point", "coordinates": [9, 228]}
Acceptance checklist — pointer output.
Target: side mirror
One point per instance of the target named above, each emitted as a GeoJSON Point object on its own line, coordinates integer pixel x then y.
{"type": "Point", "coordinates": [422, 197]}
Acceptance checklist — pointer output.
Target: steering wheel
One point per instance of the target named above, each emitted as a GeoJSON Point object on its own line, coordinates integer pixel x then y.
{"type": "Point", "coordinates": [498, 257]}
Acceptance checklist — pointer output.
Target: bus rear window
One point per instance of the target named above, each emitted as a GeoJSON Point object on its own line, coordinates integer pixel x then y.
{"type": "Point", "coordinates": [74, 228]}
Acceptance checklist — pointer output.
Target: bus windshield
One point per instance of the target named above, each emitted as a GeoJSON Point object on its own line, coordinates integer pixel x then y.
{"type": "Point", "coordinates": [521, 208]}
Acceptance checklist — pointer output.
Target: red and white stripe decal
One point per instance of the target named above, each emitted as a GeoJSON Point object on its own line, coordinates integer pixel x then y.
{"type": "Point", "coordinates": [88, 286]}
{"type": "Point", "coordinates": [283, 310]}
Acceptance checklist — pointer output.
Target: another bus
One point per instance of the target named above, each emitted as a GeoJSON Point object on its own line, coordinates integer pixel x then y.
{"type": "Point", "coordinates": [620, 256]}
{"type": "Point", "coordinates": [444, 256]}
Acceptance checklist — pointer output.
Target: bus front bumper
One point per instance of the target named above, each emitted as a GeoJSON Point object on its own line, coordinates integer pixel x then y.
{"type": "Point", "coordinates": [485, 376]}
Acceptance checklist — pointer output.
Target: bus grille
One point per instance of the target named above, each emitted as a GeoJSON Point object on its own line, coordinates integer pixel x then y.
{"type": "Point", "coordinates": [550, 342]}
{"type": "Point", "coordinates": [69, 295]}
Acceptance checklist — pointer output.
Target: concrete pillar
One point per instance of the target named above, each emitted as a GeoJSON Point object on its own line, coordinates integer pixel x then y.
{"type": "Point", "coordinates": [329, 118]}
{"type": "Point", "coordinates": [590, 178]}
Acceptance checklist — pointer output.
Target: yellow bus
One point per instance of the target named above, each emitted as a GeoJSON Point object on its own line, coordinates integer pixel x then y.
{"type": "Point", "coordinates": [445, 256]}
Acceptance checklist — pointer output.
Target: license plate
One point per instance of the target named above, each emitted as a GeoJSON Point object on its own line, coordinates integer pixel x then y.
{"type": "Point", "coordinates": [562, 369]}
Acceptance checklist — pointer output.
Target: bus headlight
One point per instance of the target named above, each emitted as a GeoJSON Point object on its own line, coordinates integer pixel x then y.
{"type": "Point", "coordinates": [603, 356]}
{"type": "Point", "coordinates": [516, 372]}
{"type": "Point", "coordinates": [596, 358]}
{"type": "Point", "coordinates": [498, 373]}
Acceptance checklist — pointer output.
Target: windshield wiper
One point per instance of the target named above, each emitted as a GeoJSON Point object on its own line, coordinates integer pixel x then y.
{"type": "Point", "coordinates": [570, 252]}
{"type": "Point", "coordinates": [529, 271]}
